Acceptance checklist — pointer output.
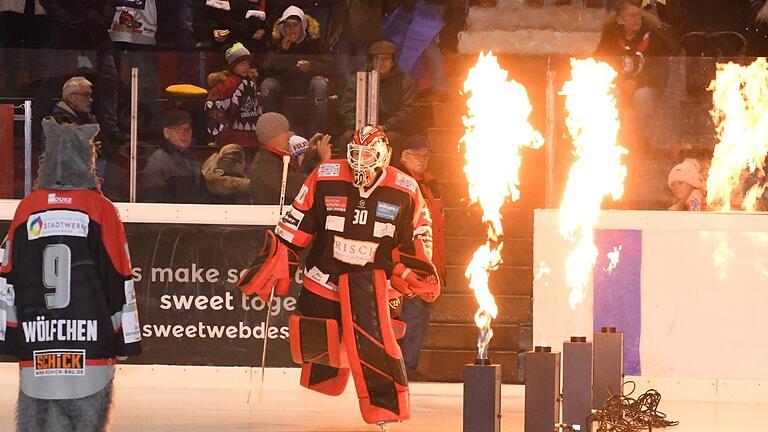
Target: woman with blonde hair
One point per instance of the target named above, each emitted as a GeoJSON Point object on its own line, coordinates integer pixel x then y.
{"type": "Point", "coordinates": [225, 176]}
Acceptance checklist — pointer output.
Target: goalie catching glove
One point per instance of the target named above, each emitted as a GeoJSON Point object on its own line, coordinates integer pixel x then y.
{"type": "Point", "coordinates": [274, 266]}
{"type": "Point", "coordinates": [414, 276]}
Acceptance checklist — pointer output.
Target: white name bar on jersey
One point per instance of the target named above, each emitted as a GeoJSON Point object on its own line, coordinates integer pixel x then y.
{"type": "Point", "coordinates": [42, 330]}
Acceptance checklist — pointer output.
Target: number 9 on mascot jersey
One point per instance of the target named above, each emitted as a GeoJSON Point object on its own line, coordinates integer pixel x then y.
{"type": "Point", "coordinates": [369, 236]}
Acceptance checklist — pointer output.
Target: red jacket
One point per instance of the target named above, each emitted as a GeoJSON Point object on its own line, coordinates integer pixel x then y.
{"type": "Point", "coordinates": [430, 189]}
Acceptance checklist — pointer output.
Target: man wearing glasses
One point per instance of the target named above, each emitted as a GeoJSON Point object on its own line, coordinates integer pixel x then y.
{"type": "Point", "coordinates": [414, 161]}
{"type": "Point", "coordinates": [75, 106]}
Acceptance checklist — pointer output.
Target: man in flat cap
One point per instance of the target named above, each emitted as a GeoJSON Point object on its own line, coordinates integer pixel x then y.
{"type": "Point", "coordinates": [172, 174]}
{"type": "Point", "coordinates": [397, 97]}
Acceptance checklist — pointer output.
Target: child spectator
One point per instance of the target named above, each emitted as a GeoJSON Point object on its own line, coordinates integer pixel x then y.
{"type": "Point", "coordinates": [687, 185]}
{"type": "Point", "coordinates": [233, 106]}
{"type": "Point", "coordinates": [225, 176]}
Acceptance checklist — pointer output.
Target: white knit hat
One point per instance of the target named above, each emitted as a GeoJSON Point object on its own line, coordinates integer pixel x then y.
{"type": "Point", "coordinates": [687, 171]}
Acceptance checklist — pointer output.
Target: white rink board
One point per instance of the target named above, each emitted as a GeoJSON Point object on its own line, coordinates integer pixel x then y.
{"type": "Point", "coordinates": [704, 284]}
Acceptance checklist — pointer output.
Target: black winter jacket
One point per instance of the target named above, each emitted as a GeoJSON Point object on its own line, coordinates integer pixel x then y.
{"type": "Point", "coordinates": [80, 24]}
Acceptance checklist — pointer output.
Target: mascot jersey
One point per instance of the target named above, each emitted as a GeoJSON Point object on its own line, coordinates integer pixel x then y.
{"type": "Point", "coordinates": [353, 229]}
{"type": "Point", "coordinates": [67, 304]}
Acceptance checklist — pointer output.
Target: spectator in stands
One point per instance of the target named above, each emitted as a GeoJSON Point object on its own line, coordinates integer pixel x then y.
{"type": "Point", "coordinates": [75, 108]}
{"type": "Point", "coordinates": [241, 21]}
{"type": "Point", "coordinates": [233, 105]}
{"type": "Point", "coordinates": [631, 43]}
{"type": "Point", "coordinates": [687, 185]}
{"type": "Point", "coordinates": [397, 97]}
{"type": "Point", "coordinates": [76, 102]}
{"type": "Point", "coordinates": [266, 171]}
{"type": "Point", "coordinates": [225, 176]}
{"type": "Point", "coordinates": [416, 312]}
{"type": "Point", "coordinates": [172, 174]}
{"type": "Point", "coordinates": [82, 25]}
{"type": "Point", "coordinates": [354, 25]}
{"type": "Point", "coordinates": [298, 66]}
{"type": "Point", "coordinates": [319, 9]}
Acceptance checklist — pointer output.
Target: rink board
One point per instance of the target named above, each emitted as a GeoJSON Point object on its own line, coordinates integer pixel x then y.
{"type": "Point", "coordinates": [185, 261]}
{"type": "Point", "coordinates": [695, 292]}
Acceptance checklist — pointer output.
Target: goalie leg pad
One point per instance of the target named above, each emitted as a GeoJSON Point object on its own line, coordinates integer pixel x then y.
{"type": "Point", "coordinates": [315, 340]}
{"type": "Point", "coordinates": [373, 354]}
{"type": "Point", "coordinates": [324, 379]}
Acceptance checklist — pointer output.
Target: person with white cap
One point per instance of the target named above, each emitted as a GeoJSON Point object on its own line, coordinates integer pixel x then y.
{"type": "Point", "coordinates": [298, 66]}
{"type": "Point", "coordinates": [687, 185]}
{"type": "Point", "coordinates": [274, 133]}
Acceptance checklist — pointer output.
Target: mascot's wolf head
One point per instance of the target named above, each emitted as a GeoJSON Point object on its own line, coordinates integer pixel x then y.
{"type": "Point", "coordinates": [69, 158]}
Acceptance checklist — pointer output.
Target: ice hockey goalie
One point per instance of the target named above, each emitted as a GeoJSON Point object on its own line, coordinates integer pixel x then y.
{"type": "Point", "coordinates": [369, 234]}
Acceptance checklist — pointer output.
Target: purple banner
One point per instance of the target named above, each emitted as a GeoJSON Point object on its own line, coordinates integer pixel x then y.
{"type": "Point", "coordinates": [618, 289]}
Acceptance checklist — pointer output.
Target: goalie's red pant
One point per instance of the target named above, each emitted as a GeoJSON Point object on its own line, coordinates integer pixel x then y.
{"type": "Point", "coordinates": [355, 335]}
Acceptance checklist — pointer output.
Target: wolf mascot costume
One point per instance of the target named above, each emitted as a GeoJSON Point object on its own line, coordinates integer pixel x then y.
{"type": "Point", "coordinates": [67, 304]}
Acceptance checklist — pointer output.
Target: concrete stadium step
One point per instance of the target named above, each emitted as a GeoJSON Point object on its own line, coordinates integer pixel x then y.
{"type": "Point", "coordinates": [512, 28]}
{"type": "Point", "coordinates": [467, 222]}
{"type": "Point", "coordinates": [460, 309]}
{"type": "Point", "coordinates": [511, 15]}
{"type": "Point", "coordinates": [532, 194]}
{"type": "Point", "coordinates": [463, 336]}
{"type": "Point", "coordinates": [448, 115]}
{"type": "Point", "coordinates": [506, 280]}
{"type": "Point", "coordinates": [448, 365]}
{"type": "Point", "coordinates": [516, 252]}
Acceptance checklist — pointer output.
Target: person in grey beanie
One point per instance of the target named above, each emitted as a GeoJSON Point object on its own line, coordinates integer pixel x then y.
{"type": "Point", "coordinates": [274, 133]}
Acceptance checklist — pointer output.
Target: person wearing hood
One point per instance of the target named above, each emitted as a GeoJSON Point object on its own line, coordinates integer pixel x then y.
{"type": "Point", "coordinates": [225, 177]}
{"type": "Point", "coordinates": [233, 105]}
{"type": "Point", "coordinates": [397, 97]}
{"type": "Point", "coordinates": [299, 65]}
{"type": "Point", "coordinates": [172, 174]}
{"type": "Point", "coordinates": [630, 42]}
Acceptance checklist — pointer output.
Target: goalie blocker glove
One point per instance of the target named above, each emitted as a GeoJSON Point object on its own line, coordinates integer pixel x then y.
{"type": "Point", "coordinates": [274, 266]}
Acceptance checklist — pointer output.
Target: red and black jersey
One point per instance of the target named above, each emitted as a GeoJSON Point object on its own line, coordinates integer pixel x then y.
{"type": "Point", "coordinates": [67, 304]}
{"type": "Point", "coordinates": [353, 229]}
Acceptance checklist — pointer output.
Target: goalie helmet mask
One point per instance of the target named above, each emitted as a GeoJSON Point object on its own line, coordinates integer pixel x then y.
{"type": "Point", "coordinates": [368, 152]}
{"type": "Point", "coordinates": [69, 158]}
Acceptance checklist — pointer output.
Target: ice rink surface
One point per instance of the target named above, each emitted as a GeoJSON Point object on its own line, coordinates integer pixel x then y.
{"type": "Point", "coordinates": [435, 407]}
